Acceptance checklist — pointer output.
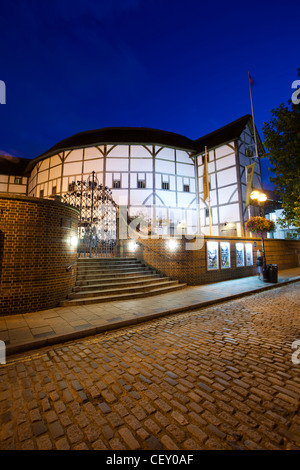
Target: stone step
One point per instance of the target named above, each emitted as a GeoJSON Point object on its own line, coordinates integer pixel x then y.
{"type": "Point", "coordinates": [122, 267]}
{"type": "Point", "coordinates": [119, 296]}
{"type": "Point", "coordinates": [106, 260]}
{"type": "Point", "coordinates": [117, 281]}
{"type": "Point", "coordinates": [102, 275]}
{"type": "Point", "coordinates": [121, 289]}
{"type": "Point", "coordinates": [117, 278]}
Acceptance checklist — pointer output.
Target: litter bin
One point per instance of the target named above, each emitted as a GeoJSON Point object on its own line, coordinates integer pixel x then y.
{"type": "Point", "coordinates": [266, 273]}
{"type": "Point", "coordinates": [273, 273]}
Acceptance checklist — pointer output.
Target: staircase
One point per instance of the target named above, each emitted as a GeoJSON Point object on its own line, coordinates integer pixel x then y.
{"type": "Point", "coordinates": [111, 279]}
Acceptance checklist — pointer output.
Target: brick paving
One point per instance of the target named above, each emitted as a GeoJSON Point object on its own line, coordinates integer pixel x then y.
{"type": "Point", "coordinates": [43, 328]}
{"type": "Point", "coordinates": [220, 377]}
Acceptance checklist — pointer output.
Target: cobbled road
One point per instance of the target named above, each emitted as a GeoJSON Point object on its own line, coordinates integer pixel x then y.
{"type": "Point", "coordinates": [222, 377]}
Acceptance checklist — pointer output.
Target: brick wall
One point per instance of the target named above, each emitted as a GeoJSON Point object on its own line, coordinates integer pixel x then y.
{"type": "Point", "coordinates": [190, 266]}
{"type": "Point", "coordinates": [285, 253]}
{"type": "Point", "coordinates": [34, 253]}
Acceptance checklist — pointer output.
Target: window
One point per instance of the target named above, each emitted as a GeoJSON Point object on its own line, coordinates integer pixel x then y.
{"type": "Point", "coordinates": [165, 185]}
{"type": "Point", "coordinates": [41, 193]}
{"type": "Point", "coordinates": [186, 188]}
{"type": "Point", "coordinates": [116, 184]}
{"type": "Point", "coordinates": [206, 212]}
{"type": "Point", "coordinates": [53, 190]}
{"type": "Point", "coordinates": [141, 184]}
{"type": "Point", "coordinates": [18, 180]}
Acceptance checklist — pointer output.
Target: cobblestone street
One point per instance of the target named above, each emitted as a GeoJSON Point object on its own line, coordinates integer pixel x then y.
{"type": "Point", "coordinates": [217, 378]}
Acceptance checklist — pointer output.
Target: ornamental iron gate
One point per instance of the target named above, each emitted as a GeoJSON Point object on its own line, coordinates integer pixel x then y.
{"type": "Point", "coordinates": [97, 228]}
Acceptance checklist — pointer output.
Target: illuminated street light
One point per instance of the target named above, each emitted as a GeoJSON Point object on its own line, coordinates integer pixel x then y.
{"type": "Point", "coordinates": [261, 198]}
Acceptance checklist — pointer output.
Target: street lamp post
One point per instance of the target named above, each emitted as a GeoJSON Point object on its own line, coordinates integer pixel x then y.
{"type": "Point", "coordinates": [261, 199]}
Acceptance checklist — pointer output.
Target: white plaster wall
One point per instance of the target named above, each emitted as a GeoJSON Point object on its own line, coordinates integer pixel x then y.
{"type": "Point", "coordinates": [138, 196]}
{"type": "Point", "coordinates": [93, 165]}
{"type": "Point", "coordinates": [185, 170]}
{"type": "Point", "coordinates": [74, 156]}
{"type": "Point", "coordinates": [225, 162]}
{"type": "Point", "coordinates": [55, 160]}
{"type": "Point", "coordinates": [140, 151]}
{"type": "Point", "coordinates": [164, 166]}
{"type": "Point", "coordinates": [72, 168]}
{"type": "Point", "coordinates": [91, 153]}
{"type": "Point", "coordinates": [229, 213]}
{"type": "Point", "coordinates": [43, 176]}
{"type": "Point", "coordinates": [226, 177]}
{"type": "Point", "coordinates": [44, 164]}
{"type": "Point", "coordinates": [118, 151]}
{"type": "Point", "coordinates": [182, 157]}
{"type": "Point", "coordinates": [55, 172]}
{"type": "Point", "coordinates": [165, 153]}
{"type": "Point", "coordinates": [141, 165]}
{"type": "Point", "coordinates": [119, 164]}
{"type": "Point", "coordinates": [228, 194]}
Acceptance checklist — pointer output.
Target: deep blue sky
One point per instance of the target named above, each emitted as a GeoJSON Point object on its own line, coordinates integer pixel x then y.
{"type": "Point", "coordinates": [176, 65]}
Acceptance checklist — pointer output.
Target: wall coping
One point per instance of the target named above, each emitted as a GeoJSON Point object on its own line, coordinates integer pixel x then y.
{"type": "Point", "coordinates": [36, 200]}
{"type": "Point", "coordinates": [214, 237]}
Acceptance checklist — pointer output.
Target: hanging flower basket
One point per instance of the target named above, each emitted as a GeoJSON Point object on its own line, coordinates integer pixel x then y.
{"type": "Point", "coordinates": [260, 226]}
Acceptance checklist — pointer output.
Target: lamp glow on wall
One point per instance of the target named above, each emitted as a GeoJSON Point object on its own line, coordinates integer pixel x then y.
{"type": "Point", "coordinates": [132, 245]}
{"type": "Point", "coordinates": [172, 244]}
{"type": "Point", "coordinates": [74, 241]}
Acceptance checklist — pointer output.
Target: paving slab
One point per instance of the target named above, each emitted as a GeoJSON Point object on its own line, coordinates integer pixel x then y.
{"type": "Point", "coordinates": [34, 330]}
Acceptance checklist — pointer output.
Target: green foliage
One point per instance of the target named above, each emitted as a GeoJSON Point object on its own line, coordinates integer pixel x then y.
{"type": "Point", "coordinates": [282, 141]}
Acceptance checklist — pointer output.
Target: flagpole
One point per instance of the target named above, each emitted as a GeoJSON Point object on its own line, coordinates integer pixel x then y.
{"type": "Point", "coordinates": [254, 130]}
{"type": "Point", "coordinates": [209, 212]}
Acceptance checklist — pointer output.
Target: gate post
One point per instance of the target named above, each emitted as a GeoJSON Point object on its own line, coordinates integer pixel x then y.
{"type": "Point", "coordinates": [119, 247]}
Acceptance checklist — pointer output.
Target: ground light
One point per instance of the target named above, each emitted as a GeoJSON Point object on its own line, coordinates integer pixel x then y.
{"type": "Point", "coordinates": [74, 241]}
{"type": "Point", "coordinates": [132, 246]}
{"type": "Point", "coordinates": [172, 245]}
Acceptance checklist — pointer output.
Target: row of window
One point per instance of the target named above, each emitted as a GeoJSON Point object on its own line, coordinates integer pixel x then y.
{"type": "Point", "coordinates": [117, 185]}
{"type": "Point", "coordinates": [141, 184]}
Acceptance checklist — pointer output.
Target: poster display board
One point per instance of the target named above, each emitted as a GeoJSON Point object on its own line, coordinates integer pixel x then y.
{"type": "Point", "coordinates": [240, 260]}
{"type": "Point", "coordinates": [212, 255]}
{"type": "Point", "coordinates": [225, 254]}
{"type": "Point", "coordinates": [249, 254]}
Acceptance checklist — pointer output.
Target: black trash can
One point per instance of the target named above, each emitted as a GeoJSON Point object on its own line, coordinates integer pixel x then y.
{"type": "Point", "coordinates": [266, 273]}
{"type": "Point", "coordinates": [273, 273]}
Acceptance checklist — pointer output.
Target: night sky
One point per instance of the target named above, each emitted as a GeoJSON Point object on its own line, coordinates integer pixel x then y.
{"type": "Point", "coordinates": [179, 66]}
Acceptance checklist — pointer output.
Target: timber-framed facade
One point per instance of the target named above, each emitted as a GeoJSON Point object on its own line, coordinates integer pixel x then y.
{"type": "Point", "coordinates": [157, 173]}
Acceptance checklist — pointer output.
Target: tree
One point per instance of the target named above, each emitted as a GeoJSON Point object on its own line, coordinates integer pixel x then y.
{"type": "Point", "coordinates": [282, 141]}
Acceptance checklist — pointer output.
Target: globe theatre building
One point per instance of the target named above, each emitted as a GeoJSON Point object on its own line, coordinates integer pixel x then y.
{"type": "Point", "coordinates": [155, 173]}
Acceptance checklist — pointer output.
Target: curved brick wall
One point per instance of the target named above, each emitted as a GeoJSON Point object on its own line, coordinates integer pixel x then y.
{"type": "Point", "coordinates": [34, 253]}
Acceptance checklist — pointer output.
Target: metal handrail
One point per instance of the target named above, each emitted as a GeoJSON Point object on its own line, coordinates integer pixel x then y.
{"type": "Point", "coordinates": [71, 265]}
